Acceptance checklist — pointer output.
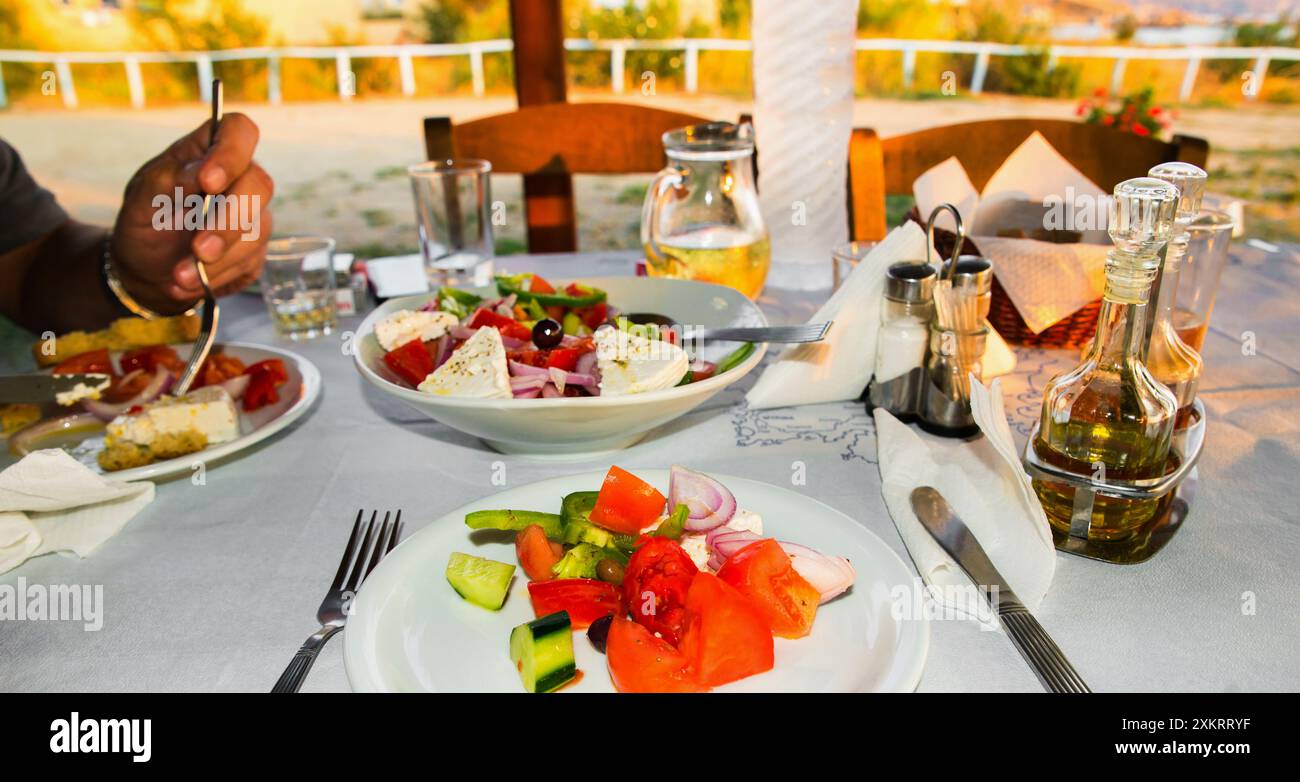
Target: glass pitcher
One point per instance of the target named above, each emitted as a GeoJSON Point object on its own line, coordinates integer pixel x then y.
{"type": "Point", "coordinates": [701, 219]}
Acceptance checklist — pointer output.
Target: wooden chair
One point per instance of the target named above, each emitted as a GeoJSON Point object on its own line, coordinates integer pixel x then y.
{"type": "Point", "coordinates": [548, 143]}
{"type": "Point", "coordinates": [880, 167]}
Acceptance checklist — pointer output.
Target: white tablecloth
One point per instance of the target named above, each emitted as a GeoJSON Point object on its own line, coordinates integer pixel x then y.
{"type": "Point", "coordinates": [214, 587]}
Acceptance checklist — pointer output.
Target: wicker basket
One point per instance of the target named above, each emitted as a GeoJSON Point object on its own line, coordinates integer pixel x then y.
{"type": "Point", "coordinates": [1072, 331]}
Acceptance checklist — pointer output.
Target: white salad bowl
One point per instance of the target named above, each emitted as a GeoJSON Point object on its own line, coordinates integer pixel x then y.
{"type": "Point", "coordinates": [581, 427]}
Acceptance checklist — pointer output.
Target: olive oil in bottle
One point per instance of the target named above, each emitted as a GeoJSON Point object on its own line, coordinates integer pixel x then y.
{"type": "Point", "coordinates": [1171, 360]}
{"type": "Point", "coordinates": [1108, 418]}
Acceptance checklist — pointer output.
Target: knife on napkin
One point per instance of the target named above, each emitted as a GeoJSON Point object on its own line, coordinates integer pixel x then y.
{"type": "Point", "coordinates": [1035, 645]}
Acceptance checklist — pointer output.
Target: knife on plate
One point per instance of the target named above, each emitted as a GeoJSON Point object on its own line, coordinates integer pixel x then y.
{"type": "Point", "coordinates": [1035, 645]}
{"type": "Point", "coordinates": [46, 388]}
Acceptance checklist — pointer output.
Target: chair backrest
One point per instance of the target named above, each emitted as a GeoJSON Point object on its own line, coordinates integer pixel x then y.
{"type": "Point", "coordinates": [880, 167]}
{"type": "Point", "coordinates": [548, 143]}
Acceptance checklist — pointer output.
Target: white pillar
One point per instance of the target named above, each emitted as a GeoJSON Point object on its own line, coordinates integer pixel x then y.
{"type": "Point", "coordinates": [343, 75]}
{"type": "Point", "coordinates": [407, 70]}
{"type": "Point", "coordinates": [66, 86]}
{"type": "Point", "coordinates": [616, 56]}
{"type": "Point", "coordinates": [692, 68]}
{"type": "Point", "coordinates": [134, 82]}
{"type": "Point", "coordinates": [1260, 71]}
{"type": "Point", "coordinates": [204, 66]}
{"type": "Point", "coordinates": [981, 71]}
{"type": "Point", "coordinates": [476, 70]}
{"type": "Point", "coordinates": [1117, 76]}
{"type": "Point", "coordinates": [273, 94]}
{"type": "Point", "coordinates": [1189, 79]}
{"type": "Point", "coordinates": [909, 67]}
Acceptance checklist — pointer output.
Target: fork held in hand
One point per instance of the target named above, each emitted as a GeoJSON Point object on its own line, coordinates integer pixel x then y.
{"type": "Point", "coordinates": [368, 544]}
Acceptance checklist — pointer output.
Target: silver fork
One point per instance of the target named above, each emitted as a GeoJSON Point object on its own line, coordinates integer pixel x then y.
{"type": "Point", "coordinates": [808, 332]}
{"type": "Point", "coordinates": [208, 327]}
{"type": "Point", "coordinates": [358, 560]}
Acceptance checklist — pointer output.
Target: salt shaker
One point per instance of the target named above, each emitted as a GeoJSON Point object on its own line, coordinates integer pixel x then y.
{"type": "Point", "coordinates": [904, 334]}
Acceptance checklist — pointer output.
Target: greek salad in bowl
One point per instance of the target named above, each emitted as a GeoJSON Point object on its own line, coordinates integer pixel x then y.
{"type": "Point", "coordinates": [680, 593]}
{"type": "Point", "coordinates": [535, 341]}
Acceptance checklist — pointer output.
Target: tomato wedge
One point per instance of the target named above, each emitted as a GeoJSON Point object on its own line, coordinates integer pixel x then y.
{"type": "Point", "coordinates": [655, 583]}
{"type": "Point", "coordinates": [563, 358]}
{"type": "Point", "coordinates": [640, 662]}
{"type": "Point", "coordinates": [626, 503]}
{"type": "Point", "coordinates": [726, 637]}
{"type": "Point", "coordinates": [763, 572]}
{"type": "Point", "coordinates": [537, 554]}
{"type": "Point", "coordinates": [410, 361]}
{"type": "Point", "coordinates": [217, 369]}
{"type": "Point", "coordinates": [586, 599]}
{"type": "Point", "coordinates": [91, 362]}
{"type": "Point", "coordinates": [508, 327]}
{"type": "Point", "coordinates": [150, 358]}
{"type": "Point", "coordinates": [537, 284]}
{"type": "Point", "coordinates": [263, 378]}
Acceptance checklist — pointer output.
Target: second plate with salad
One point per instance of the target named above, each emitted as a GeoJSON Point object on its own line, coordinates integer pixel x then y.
{"type": "Point", "coordinates": [549, 367]}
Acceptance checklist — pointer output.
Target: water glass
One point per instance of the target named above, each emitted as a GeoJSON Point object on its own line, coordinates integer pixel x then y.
{"type": "Point", "coordinates": [844, 258]}
{"type": "Point", "coordinates": [1207, 253]}
{"type": "Point", "coordinates": [452, 199]}
{"type": "Point", "coordinates": [298, 286]}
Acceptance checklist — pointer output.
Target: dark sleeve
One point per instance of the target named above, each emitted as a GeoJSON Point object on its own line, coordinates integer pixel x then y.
{"type": "Point", "coordinates": [29, 210]}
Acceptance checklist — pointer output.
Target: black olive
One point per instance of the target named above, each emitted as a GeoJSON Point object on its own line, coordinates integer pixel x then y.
{"type": "Point", "coordinates": [547, 333]}
{"type": "Point", "coordinates": [598, 633]}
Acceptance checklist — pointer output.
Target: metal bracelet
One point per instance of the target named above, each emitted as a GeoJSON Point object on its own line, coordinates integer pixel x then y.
{"type": "Point", "coordinates": [119, 290]}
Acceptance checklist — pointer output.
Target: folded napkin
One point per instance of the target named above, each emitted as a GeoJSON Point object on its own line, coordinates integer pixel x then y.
{"type": "Point", "coordinates": [985, 485]}
{"type": "Point", "coordinates": [1045, 281]}
{"type": "Point", "coordinates": [51, 502]}
{"type": "Point", "coordinates": [840, 366]}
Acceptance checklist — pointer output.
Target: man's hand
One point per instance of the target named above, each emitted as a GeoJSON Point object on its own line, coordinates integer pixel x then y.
{"type": "Point", "coordinates": [155, 262]}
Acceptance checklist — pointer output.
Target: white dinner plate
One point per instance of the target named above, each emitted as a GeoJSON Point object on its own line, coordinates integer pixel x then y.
{"type": "Point", "coordinates": [410, 631]}
{"type": "Point", "coordinates": [296, 397]}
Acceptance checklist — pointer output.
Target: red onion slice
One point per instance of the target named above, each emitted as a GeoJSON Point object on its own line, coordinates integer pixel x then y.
{"type": "Point", "coordinates": [520, 369]}
{"type": "Point", "coordinates": [711, 504]}
{"type": "Point", "coordinates": [559, 377]}
{"type": "Point", "coordinates": [461, 332]}
{"type": "Point", "coordinates": [586, 364]}
{"type": "Point", "coordinates": [106, 411]}
{"type": "Point", "coordinates": [527, 381]}
{"type": "Point", "coordinates": [237, 385]}
{"type": "Point", "coordinates": [23, 441]}
{"type": "Point", "coordinates": [550, 392]}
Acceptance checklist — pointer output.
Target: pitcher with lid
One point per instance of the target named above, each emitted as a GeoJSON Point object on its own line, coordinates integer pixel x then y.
{"type": "Point", "coordinates": [701, 219]}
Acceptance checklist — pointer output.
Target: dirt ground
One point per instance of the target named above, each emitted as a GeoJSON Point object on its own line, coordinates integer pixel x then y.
{"type": "Point", "coordinates": [340, 167]}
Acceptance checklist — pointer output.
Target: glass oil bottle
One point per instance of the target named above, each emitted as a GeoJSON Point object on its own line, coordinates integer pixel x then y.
{"type": "Point", "coordinates": [1108, 419]}
{"type": "Point", "coordinates": [1170, 360]}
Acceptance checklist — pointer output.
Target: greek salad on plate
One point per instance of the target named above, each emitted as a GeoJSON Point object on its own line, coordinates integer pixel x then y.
{"type": "Point", "coordinates": [614, 584]}
{"type": "Point", "coordinates": [535, 340]}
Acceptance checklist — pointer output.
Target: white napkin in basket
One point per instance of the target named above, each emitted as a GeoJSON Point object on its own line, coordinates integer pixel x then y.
{"type": "Point", "coordinates": [840, 366]}
{"type": "Point", "coordinates": [51, 502]}
{"type": "Point", "coordinates": [1047, 282]}
{"type": "Point", "coordinates": [985, 485]}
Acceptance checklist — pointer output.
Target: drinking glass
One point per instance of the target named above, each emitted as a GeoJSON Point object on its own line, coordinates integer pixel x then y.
{"type": "Point", "coordinates": [452, 200]}
{"type": "Point", "coordinates": [844, 258]}
{"type": "Point", "coordinates": [1207, 253]}
{"type": "Point", "coordinates": [298, 286]}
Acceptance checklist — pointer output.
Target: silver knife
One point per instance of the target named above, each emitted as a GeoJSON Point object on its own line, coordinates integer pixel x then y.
{"type": "Point", "coordinates": [46, 388]}
{"type": "Point", "coordinates": [1035, 645]}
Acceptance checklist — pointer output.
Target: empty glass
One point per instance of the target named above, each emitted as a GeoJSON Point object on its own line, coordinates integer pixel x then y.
{"type": "Point", "coordinates": [845, 258]}
{"type": "Point", "coordinates": [1207, 253]}
{"type": "Point", "coordinates": [298, 285]}
{"type": "Point", "coordinates": [452, 199]}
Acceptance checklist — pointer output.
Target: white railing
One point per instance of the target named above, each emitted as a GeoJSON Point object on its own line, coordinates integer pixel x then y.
{"type": "Point", "coordinates": [1259, 57]}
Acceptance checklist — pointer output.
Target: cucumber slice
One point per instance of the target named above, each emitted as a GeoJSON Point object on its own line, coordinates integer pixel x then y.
{"type": "Point", "coordinates": [480, 581]}
{"type": "Point", "coordinates": [542, 651]}
{"type": "Point", "coordinates": [515, 520]}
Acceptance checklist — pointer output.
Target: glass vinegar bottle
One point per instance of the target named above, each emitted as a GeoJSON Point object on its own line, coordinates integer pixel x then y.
{"type": "Point", "coordinates": [1170, 360]}
{"type": "Point", "coordinates": [1108, 418]}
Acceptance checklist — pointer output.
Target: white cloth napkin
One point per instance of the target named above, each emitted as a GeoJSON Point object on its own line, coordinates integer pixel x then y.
{"type": "Point", "coordinates": [985, 485]}
{"type": "Point", "coordinates": [51, 502]}
{"type": "Point", "coordinates": [1046, 281]}
{"type": "Point", "coordinates": [840, 366]}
